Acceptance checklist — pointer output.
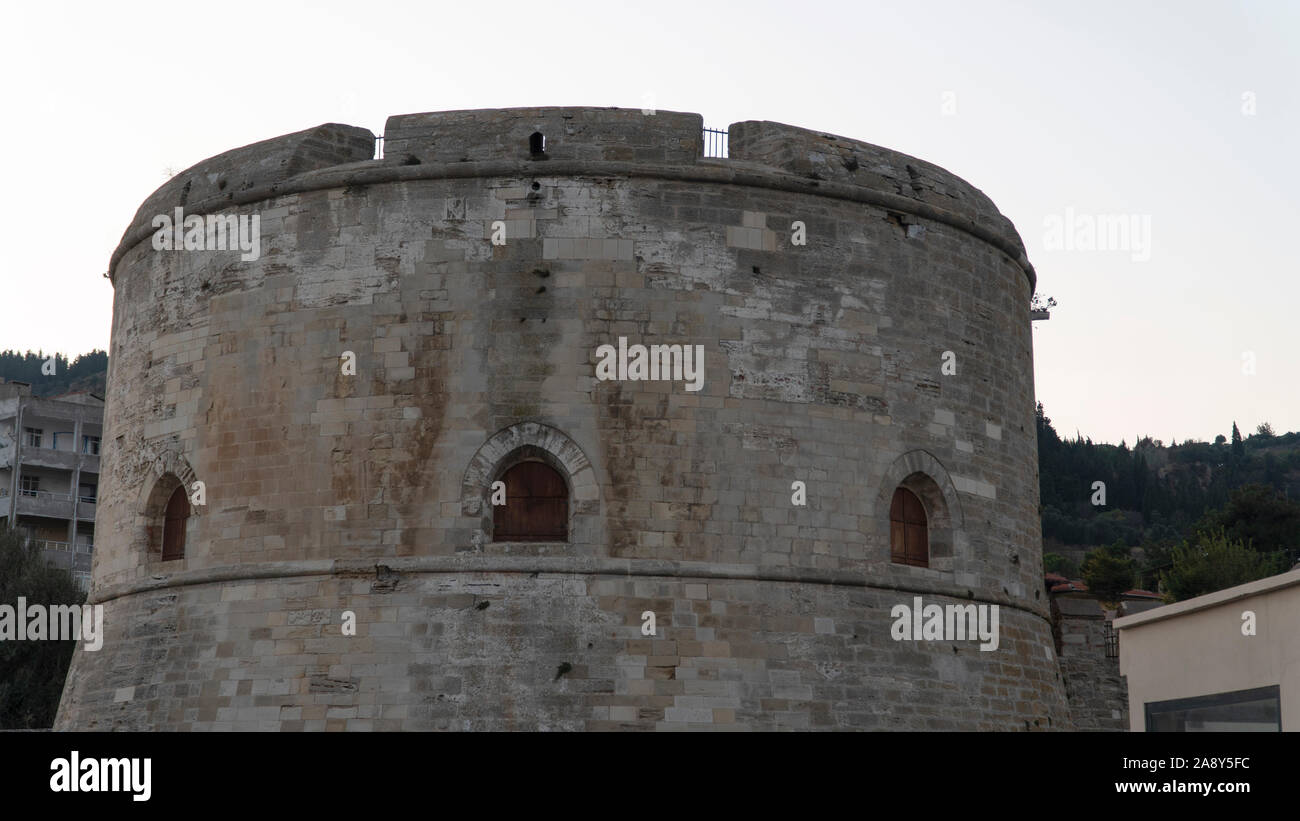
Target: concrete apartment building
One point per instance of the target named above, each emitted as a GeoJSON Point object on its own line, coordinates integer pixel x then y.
{"type": "Point", "coordinates": [1225, 661]}
{"type": "Point", "coordinates": [49, 472]}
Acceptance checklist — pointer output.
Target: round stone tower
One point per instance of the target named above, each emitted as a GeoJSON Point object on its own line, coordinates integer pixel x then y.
{"type": "Point", "coordinates": [545, 420]}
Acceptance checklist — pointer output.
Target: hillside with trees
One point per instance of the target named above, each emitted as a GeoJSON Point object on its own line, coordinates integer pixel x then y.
{"type": "Point", "coordinates": [85, 373]}
{"type": "Point", "coordinates": [1186, 518]}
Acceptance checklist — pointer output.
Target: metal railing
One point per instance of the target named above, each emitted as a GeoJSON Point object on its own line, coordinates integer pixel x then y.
{"type": "Point", "coordinates": [1111, 636]}
{"type": "Point", "coordinates": [84, 450]}
{"type": "Point", "coordinates": [715, 143]}
{"type": "Point", "coordinates": [46, 494]}
{"type": "Point", "coordinates": [82, 578]}
{"type": "Point", "coordinates": [66, 547]}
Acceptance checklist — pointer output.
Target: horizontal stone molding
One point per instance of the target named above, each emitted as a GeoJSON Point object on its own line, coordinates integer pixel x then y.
{"type": "Point", "coordinates": [712, 172]}
{"type": "Point", "coordinates": [572, 566]}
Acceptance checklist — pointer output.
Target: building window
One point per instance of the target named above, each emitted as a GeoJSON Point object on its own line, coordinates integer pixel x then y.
{"type": "Point", "coordinates": [908, 530]}
{"type": "Point", "coordinates": [87, 493]}
{"type": "Point", "coordinates": [536, 508]}
{"type": "Point", "coordinates": [1111, 636]}
{"type": "Point", "coordinates": [1258, 710]}
{"type": "Point", "coordinates": [537, 144]}
{"type": "Point", "coordinates": [167, 518]}
{"type": "Point", "coordinates": [90, 445]}
{"type": "Point", "coordinates": [178, 511]}
{"type": "Point", "coordinates": [29, 485]}
{"type": "Point", "coordinates": [32, 437]}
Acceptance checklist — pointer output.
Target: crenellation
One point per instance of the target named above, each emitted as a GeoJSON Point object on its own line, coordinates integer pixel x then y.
{"type": "Point", "coordinates": [612, 134]}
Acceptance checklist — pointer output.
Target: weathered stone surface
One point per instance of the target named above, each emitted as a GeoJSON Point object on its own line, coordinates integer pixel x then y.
{"type": "Point", "coordinates": [226, 180]}
{"type": "Point", "coordinates": [329, 493]}
{"type": "Point", "coordinates": [1096, 691]}
{"type": "Point", "coordinates": [569, 134]}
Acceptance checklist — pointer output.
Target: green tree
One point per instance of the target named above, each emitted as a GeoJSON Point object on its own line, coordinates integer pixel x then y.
{"type": "Point", "coordinates": [1259, 516]}
{"type": "Point", "coordinates": [1238, 449]}
{"type": "Point", "coordinates": [1108, 572]}
{"type": "Point", "coordinates": [1214, 561]}
{"type": "Point", "coordinates": [32, 672]}
{"type": "Point", "coordinates": [86, 372]}
{"type": "Point", "coordinates": [1157, 555]}
{"type": "Point", "coordinates": [1056, 563]}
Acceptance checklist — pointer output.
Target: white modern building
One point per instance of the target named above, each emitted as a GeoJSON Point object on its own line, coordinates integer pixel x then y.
{"type": "Point", "coordinates": [1225, 661]}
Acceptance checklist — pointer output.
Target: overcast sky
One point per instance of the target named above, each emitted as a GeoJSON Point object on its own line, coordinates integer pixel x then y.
{"type": "Point", "coordinates": [1180, 116]}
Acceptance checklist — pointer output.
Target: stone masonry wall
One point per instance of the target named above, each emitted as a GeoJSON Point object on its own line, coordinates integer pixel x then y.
{"type": "Point", "coordinates": [329, 492]}
{"type": "Point", "coordinates": [1096, 691]}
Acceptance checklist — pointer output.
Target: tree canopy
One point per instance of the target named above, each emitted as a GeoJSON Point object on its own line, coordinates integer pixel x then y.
{"type": "Point", "coordinates": [86, 372]}
{"type": "Point", "coordinates": [1214, 561]}
{"type": "Point", "coordinates": [32, 672]}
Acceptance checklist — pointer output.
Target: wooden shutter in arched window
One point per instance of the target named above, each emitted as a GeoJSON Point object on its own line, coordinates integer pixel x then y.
{"type": "Point", "coordinates": [536, 508]}
{"type": "Point", "coordinates": [908, 531]}
{"type": "Point", "coordinates": [178, 510]}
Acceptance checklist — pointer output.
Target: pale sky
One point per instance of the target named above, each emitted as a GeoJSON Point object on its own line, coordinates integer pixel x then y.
{"type": "Point", "coordinates": [1110, 109]}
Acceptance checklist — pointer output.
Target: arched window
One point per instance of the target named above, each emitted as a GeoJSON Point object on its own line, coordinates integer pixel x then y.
{"type": "Point", "coordinates": [178, 510]}
{"type": "Point", "coordinates": [536, 508]}
{"type": "Point", "coordinates": [909, 536]}
{"type": "Point", "coordinates": [537, 144]}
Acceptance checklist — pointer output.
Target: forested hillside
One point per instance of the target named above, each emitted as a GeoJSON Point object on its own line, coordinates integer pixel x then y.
{"type": "Point", "coordinates": [85, 373]}
{"type": "Point", "coordinates": [1233, 505]}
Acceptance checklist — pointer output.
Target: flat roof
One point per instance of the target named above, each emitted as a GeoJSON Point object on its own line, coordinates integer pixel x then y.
{"type": "Point", "coordinates": [1231, 594]}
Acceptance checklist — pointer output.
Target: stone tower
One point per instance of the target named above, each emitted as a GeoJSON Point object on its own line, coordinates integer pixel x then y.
{"type": "Point", "coordinates": [339, 402]}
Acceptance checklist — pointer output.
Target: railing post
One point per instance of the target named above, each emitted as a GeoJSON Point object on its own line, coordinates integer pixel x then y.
{"type": "Point", "coordinates": [715, 143]}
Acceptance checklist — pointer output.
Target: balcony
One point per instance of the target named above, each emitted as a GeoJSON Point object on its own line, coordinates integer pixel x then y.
{"type": "Point", "coordinates": [59, 459]}
{"type": "Point", "coordinates": [64, 547]}
{"type": "Point", "coordinates": [56, 558]}
{"type": "Point", "coordinates": [44, 503]}
{"type": "Point", "coordinates": [49, 458]}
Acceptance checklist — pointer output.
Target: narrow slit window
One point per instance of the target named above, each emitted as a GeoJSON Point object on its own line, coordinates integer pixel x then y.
{"type": "Point", "coordinates": [178, 511]}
